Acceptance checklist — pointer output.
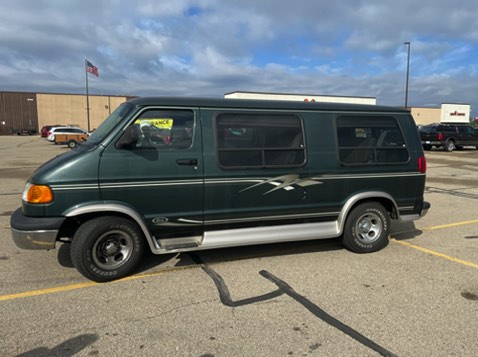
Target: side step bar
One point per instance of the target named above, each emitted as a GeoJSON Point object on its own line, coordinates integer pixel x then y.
{"type": "Point", "coordinates": [248, 236]}
{"type": "Point", "coordinates": [173, 244]}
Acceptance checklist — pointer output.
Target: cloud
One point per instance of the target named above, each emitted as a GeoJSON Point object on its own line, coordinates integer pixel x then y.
{"type": "Point", "coordinates": [209, 47]}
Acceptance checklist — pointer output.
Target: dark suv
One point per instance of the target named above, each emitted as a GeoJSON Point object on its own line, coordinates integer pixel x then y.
{"type": "Point", "coordinates": [448, 136]}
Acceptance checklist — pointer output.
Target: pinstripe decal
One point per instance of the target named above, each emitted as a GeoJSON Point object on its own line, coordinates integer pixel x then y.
{"type": "Point", "coordinates": [283, 181]}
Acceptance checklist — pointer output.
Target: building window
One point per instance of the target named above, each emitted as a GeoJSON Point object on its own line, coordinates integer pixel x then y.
{"type": "Point", "coordinates": [259, 140]}
{"type": "Point", "coordinates": [370, 141]}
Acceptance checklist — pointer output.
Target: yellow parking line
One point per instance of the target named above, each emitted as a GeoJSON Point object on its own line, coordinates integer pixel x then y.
{"type": "Point", "coordinates": [441, 255]}
{"type": "Point", "coordinates": [46, 291]}
{"type": "Point", "coordinates": [449, 225]}
{"type": "Point", "coordinates": [134, 277]}
{"type": "Point", "coordinates": [64, 288]}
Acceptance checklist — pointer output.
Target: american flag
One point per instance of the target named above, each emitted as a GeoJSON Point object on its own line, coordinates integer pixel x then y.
{"type": "Point", "coordinates": [91, 69]}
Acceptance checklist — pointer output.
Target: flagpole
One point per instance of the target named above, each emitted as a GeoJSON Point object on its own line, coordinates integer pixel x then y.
{"type": "Point", "coordinates": [87, 97]}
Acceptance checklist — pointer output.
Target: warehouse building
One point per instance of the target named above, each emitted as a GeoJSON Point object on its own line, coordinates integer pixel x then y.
{"type": "Point", "coordinates": [447, 113]}
{"type": "Point", "coordinates": [302, 97]}
{"type": "Point", "coordinates": [23, 112]}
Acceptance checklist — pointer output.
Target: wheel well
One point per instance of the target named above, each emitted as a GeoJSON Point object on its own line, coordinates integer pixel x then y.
{"type": "Point", "coordinates": [385, 202]}
{"type": "Point", "coordinates": [71, 224]}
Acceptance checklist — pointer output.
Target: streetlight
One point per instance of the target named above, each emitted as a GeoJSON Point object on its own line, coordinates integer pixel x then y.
{"type": "Point", "coordinates": [408, 74]}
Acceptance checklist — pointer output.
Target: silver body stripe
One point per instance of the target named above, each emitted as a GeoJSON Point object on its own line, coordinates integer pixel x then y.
{"type": "Point", "coordinates": [250, 180]}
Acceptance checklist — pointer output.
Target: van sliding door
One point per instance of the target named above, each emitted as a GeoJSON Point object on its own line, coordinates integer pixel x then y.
{"type": "Point", "coordinates": [254, 165]}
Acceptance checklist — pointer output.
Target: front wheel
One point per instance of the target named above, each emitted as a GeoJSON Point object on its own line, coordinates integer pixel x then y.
{"type": "Point", "coordinates": [107, 248]}
{"type": "Point", "coordinates": [367, 228]}
{"type": "Point", "coordinates": [72, 144]}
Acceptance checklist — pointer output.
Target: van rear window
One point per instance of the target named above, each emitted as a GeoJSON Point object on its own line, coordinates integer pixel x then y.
{"type": "Point", "coordinates": [370, 141]}
{"type": "Point", "coordinates": [256, 140]}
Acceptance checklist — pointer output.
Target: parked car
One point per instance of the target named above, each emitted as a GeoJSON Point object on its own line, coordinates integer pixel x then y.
{"type": "Point", "coordinates": [448, 136]}
{"type": "Point", "coordinates": [72, 140]}
{"type": "Point", "coordinates": [45, 129]}
{"type": "Point", "coordinates": [234, 173]}
{"type": "Point", "coordinates": [26, 131]}
{"type": "Point", "coordinates": [64, 130]}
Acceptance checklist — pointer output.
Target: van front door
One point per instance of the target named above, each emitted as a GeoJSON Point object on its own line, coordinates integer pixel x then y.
{"type": "Point", "coordinates": [156, 168]}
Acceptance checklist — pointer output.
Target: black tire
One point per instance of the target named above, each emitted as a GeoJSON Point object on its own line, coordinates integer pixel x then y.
{"type": "Point", "coordinates": [107, 248]}
{"type": "Point", "coordinates": [450, 146]}
{"type": "Point", "coordinates": [367, 228]}
{"type": "Point", "coordinates": [72, 144]}
{"type": "Point", "coordinates": [427, 147]}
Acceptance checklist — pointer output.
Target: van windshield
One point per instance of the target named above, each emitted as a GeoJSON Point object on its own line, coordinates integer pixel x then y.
{"type": "Point", "coordinates": [109, 124]}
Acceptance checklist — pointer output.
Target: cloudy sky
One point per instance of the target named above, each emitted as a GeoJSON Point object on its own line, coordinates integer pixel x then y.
{"type": "Point", "coordinates": [210, 47]}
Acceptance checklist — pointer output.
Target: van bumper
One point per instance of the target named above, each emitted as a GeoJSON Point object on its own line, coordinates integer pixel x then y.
{"type": "Point", "coordinates": [412, 217]}
{"type": "Point", "coordinates": [34, 232]}
{"type": "Point", "coordinates": [432, 142]}
{"type": "Point", "coordinates": [426, 207]}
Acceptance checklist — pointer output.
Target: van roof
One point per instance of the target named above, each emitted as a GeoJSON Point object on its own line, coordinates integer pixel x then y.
{"type": "Point", "coordinates": [260, 104]}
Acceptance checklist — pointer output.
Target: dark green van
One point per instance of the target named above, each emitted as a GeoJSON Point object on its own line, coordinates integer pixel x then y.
{"type": "Point", "coordinates": [183, 174]}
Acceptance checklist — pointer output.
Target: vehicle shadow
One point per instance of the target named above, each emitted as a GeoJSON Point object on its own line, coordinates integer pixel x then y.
{"type": "Point", "coordinates": [404, 230]}
{"type": "Point", "coordinates": [64, 255]}
{"type": "Point", "coordinates": [69, 347]}
{"type": "Point", "coordinates": [150, 261]}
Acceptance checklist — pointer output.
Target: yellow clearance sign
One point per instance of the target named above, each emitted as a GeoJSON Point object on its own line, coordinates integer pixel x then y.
{"type": "Point", "coordinates": [161, 123]}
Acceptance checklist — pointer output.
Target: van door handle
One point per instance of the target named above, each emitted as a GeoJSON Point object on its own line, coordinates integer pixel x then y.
{"type": "Point", "coordinates": [191, 162]}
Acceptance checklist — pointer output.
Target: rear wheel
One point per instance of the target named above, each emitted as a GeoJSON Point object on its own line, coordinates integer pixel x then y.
{"type": "Point", "coordinates": [450, 145]}
{"type": "Point", "coordinates": [107, 248]}
{"type": "Point", "coordinates": [367, 228]}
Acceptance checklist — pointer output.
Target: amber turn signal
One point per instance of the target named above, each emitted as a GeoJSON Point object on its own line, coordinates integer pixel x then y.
{"type": "Point", "coordinates": [37, 194]}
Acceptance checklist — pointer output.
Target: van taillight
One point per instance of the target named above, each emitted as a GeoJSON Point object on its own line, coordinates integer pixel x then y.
{"type": "Point", "coordinates": [422, 164]}
{"type": "Point", "coordinates": [440, 136]}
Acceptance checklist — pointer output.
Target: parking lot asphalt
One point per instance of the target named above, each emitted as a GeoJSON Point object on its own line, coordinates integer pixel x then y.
{"type": "Point", "coordinates": [416, 297]}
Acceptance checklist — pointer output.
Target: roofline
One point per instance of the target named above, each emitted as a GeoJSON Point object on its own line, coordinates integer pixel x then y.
{"type": "Point", "coordinates": [456, 103]}
{"type": "Point", "coordinates": [77, 94]}
{"type": "Point", "coordinates": [301, 94]}
{"type": "Point", "coordinates": [261, 104]}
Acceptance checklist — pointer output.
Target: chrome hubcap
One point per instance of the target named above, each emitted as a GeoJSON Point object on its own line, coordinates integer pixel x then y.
{"type": "Point", "coordinates": [112, 249]}
{"type": "Point", "coordinates": [369, 227]}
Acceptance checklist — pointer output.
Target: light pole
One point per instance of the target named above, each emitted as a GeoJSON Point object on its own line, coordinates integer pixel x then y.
{"type": "Point", "coordinates": [408, 74]}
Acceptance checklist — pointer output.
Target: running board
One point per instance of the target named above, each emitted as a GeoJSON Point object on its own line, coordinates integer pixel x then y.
{"type": "Point", "coordinates": [173, 244]}
{"type": "Point", "coordinates": [248, 236]}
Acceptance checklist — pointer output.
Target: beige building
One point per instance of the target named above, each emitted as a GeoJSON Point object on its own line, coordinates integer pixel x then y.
{"type": "Point", "coordinates": [447, 113]}
{"type": "Point", "coordinates": [424, 116]}
{"type": "Point", "coordinates": [29, 112]}
{"type": "Point", "coordinates": [70, 109]}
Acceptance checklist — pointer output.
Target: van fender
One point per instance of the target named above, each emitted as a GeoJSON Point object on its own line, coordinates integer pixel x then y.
{"type": "Point", "coordinates": [116, 207]}
{"type": "Point", "coordinates": [363, 196]}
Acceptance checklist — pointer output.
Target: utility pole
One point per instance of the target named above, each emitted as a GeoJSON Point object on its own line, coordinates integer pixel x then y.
{"type": "Point", "coordinates": [408, 74]}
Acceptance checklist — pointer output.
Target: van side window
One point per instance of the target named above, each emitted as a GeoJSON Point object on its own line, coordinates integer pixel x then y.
{"type": "Point", "coordinates": [259, 140]}
{"type": "Point", "coordinates": [158, 128]}
{"type": "Point", "coordinates": [370, 141]}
